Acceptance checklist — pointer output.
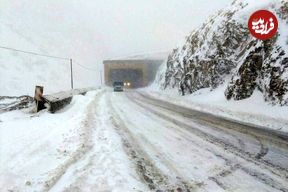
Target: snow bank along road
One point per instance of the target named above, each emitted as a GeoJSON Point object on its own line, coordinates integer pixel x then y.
{"type": "Point", "coordinates": [108, 141]}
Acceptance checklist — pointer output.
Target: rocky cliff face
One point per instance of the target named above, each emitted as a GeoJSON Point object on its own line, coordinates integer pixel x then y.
{"type": "Point", "coordinates": [222, 51]}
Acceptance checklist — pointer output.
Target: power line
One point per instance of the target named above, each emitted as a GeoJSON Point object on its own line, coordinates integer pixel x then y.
{"type": "Point", "coordinates": [33, 53]}
{"type": "Point", "coordinates": [44, 55]}
{"type": "Point", "coordinates": [54, 57]}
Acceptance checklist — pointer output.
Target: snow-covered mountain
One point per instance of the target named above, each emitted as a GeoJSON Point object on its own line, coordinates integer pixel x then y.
{"type": "Point", "coordinates": [51, 28]}
{"type": "Point", "coordinates": [19, 73]}
{"type": "Point", "coordinates": [222, 52]}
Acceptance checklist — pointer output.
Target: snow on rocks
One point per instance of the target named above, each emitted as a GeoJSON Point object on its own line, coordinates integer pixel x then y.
{"type": "Point", "coordinates": [222, 49]}
{"type": "Point", "coordinates": [14, 103]}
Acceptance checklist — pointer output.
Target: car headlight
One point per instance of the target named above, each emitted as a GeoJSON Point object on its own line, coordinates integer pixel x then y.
{"type": "Point", "coordinates": [125, 84]}
{"type": "Point", "coordinates": [128, 84]}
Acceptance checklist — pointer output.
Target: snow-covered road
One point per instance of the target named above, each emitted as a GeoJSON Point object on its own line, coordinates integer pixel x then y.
{"type": "Point", "coordinates": [128, 141]}
{"type": "Point", "coordinates": [201, 152]}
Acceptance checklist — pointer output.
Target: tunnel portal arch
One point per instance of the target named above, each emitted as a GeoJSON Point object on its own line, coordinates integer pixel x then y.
{"type": "Point", "coordinates": [137, 72]}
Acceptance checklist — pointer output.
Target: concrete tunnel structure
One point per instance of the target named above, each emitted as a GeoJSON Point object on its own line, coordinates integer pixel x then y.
{"type": "Point", "coordinates": [138, 72]}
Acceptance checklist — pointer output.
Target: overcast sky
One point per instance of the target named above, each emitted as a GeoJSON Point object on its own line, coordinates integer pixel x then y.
{"type": "Point", "coordinates": [92, 30]}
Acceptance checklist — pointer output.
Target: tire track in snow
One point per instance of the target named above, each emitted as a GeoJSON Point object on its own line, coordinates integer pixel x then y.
{"type": "Point", "coordinates": [257, 157]}
{"type": "Point", "coordinates": [151, 175]}
{"type": "Point", "coordinates": [105, 167]}
{"type": "Point", "coordinates": [272, 136]}
{"type": "Point", "coordinates": [266, 179]}
{"type": "Point", "coordinates": [55, 175]}
{"type": "Point", "coordinates": [232, 130]}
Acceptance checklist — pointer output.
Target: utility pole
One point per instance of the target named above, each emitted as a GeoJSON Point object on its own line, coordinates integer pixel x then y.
{"type": "Point", "coordinates": [71, 66]}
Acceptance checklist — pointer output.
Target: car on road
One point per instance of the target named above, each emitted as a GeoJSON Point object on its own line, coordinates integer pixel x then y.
{"type": "Point", "coordinates": [118, 86]}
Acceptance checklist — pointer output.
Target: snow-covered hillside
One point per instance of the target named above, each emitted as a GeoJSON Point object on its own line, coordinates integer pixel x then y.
{"type": "Point", "coordinates": [222, 52]}
{"type": "Point", "coordinates": [19, 73]}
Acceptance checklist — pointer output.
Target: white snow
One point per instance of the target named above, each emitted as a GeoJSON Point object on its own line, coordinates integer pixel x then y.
{"type": "Point", "coordinates": [80, 149]}
{"type": "Point", "coordinates": [161, 55]}
{"type": "Point", "coordinates": [88, 32]}
{"type": "Point", "coordinates": [253, 110]}
{"type": "Point", "coordinates": [179, 153]}
{"type": "Point", "coordinates": [32, 148]}
{"type": "Point", "coordinates": [105, 167]}
{"type": "Point", "coordinates": [7, 101]}
{"type": "Point", "coordinates": [36, 150]}
{"type": "Point", "coordinates": [20, 73]}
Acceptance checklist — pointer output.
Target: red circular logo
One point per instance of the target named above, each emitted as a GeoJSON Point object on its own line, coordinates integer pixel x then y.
{"type": "Point", "coordinates": [263, 24]}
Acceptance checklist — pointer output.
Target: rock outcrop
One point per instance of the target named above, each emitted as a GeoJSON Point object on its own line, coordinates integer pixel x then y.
{"type": "Point", "coordinates": [222, 51]}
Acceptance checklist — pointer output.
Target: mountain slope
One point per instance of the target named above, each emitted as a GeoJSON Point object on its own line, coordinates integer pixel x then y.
{"type": "Point", "coordinates": [222, 52]}
{"type": "Point", "coordinates": [19, 73]}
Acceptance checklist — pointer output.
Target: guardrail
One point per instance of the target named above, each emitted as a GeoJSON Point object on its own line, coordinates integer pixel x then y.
{"type": "Point", "coordinates": [57, 101]}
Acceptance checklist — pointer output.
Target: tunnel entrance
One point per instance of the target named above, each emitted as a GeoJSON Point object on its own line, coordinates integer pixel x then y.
{"type": "Point", "coordinates": [133, 76]}
{"type": "Point", "coordinates": [139, 73]}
